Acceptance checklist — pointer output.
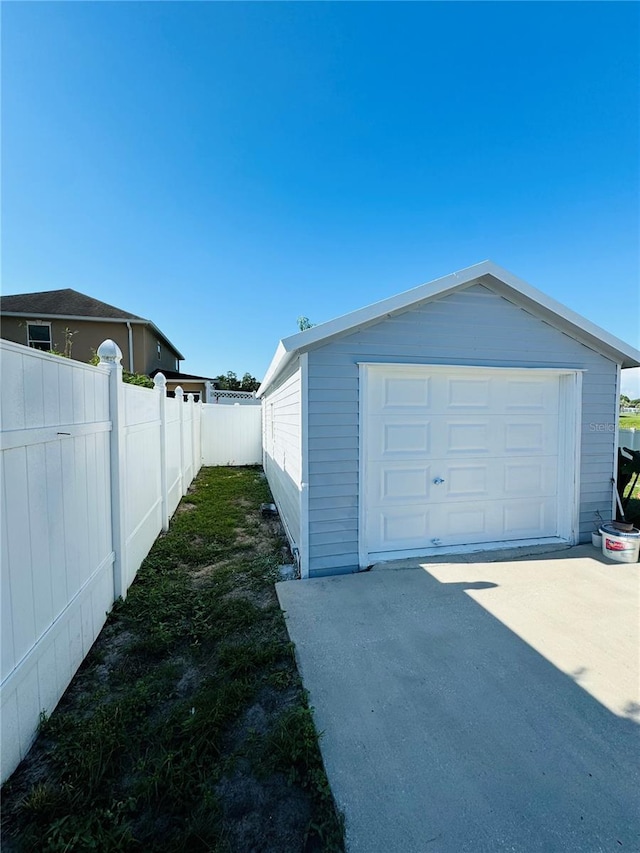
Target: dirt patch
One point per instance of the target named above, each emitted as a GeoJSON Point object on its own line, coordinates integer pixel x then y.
{"type": "Point", "coordinates": [201, 575]}
{"type": "Point", "coordinates": [189, 680]}
{"type": "Point", "coordinates": [184, 506]}
{"type": "Point", "coordinates": [263, 816]}
{"type": "Point", "coordinates": [258, 597]}
{"type": "Point", "coordinates": [258, 538]}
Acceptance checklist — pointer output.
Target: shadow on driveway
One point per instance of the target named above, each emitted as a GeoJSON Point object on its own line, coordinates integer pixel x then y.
{"type": "Point", "coordinates": [445, 732]}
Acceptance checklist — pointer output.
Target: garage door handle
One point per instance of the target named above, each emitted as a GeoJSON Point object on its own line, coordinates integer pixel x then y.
{"type": "Point", "coordinates": [437, 481]}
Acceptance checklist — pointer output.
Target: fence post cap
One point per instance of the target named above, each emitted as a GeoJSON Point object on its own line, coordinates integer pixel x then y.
{"type": "Point", "coordinates": [109, 352]}
{"type": "Point", "coordinates": [160, 381]}
{"type": "Point", "coordinates": [179, 392]}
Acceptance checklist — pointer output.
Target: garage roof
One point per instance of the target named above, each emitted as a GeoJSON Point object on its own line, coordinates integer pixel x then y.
{"type": "Point", "coordinates": [500, 280]}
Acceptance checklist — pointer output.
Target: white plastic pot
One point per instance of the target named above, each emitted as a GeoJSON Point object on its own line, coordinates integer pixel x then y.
{"type": "Point", "coordinates": [619, 545]}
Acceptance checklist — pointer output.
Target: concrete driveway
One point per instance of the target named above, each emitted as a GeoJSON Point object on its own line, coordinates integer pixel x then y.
{"type": "Point", "coordinates": [472, 707]}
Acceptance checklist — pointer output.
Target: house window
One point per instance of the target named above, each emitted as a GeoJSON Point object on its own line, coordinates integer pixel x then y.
{"type": "Point", "coordinates": [39, 336]}
{"type": "Point", "coordinates": [159, 352]}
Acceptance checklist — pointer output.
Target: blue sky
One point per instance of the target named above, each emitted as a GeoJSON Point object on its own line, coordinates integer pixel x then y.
{"type": "Point", "coordinates": [222, 168]}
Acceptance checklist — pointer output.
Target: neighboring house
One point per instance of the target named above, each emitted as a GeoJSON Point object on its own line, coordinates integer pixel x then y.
{"type": "Point", "coordinates": [470, 412]}
{"type": "Point", "coordinates": [205, 389]}
{"type": "Point", "coordinates": [199, 386]}
{"type": "Point", "coordinates": [44, 321]}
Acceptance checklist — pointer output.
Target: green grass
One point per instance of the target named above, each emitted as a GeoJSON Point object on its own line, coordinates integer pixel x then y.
{"type": "Point", "coordinates": [629, 421]}
{"type": "Point", "coordinates": [632, 509]}
{"type": "Point", "coordinates": [187, 727]}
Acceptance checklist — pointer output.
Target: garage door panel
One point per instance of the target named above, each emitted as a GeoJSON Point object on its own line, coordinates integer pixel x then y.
{"type": "Point", "coordinates": [468, 394]}
{"type": "Point", "coordinates": [407, 392]}
{"type": "Point", "coordinates": [429, 435]}
{"type": "Point", "coordinates": [530, 436]}
{"type": "Point", "coordinates": [397, 437]}
{"type": "Point", "coordinates": [530, 396]}
{"type": "Point", "coordinates": [405, 525]}
{"type": "Point", "coordinates": [477, 479]}
{"type": "Point", "coordinates": [493, 436]}
{"type": "Point", "coordinates": [467, 437]}
{"type": "Point", "coordinates": [400, 482]}
{"type": "Point", "coordinates": [465, 458]}
{"type": "Point", "coordinates": [402, 438]}
{"type": "Point", "coordinates": [470, 522]}
{"type": "Point", "coordinates": [405, 484]}
{"type": "Point", "coordinates": [409, 527]}
{"type": "Point", "coordinates": [529, 519]}
{"type": "Point", "coordinates": [465, 481]}
{"type": "Point", "coordinates": [400, 527]}
{"type": "Point", "coordinates": [410, 389]}
{"type": "Point", "coordinates": [525, 476]}
{"type": "Point", "coordinates": [493, 479]}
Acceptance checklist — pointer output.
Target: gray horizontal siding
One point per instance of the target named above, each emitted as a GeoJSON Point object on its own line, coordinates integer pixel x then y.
{"type": "Point", "coordinates": [333, 467]}
{"type": "Point", "coordinates": [472, 326]}
{"type": "Point", "coordinates": [282, 448]}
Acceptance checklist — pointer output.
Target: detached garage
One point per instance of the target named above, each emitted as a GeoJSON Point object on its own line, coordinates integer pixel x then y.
{"type": "Point", "coordinates": [470, 412]}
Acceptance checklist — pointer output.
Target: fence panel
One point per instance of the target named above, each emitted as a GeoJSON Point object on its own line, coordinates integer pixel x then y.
{"type": "Point", "coordinates": [187, 443]}
{"type": "Point", "coordinates": [197, 440]}
{"type": "Point", "coordinates": [57, 554]}
{"type": "Point", "coordinates": [174, 454]}
{"type": "Point", "coordinates": [142, 487]}
{"type": "Point", "coordinates": [231, 435]}
{"type": "Point", "coordinates": [629, 438]}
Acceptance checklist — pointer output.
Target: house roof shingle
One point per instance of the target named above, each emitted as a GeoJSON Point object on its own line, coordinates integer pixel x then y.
{"type": "Point", "coordinates": [72, 303]}
{"type": "Point", "coordinates": [64, 303]}
{"type": "Point", "coordinates": [172, 375]}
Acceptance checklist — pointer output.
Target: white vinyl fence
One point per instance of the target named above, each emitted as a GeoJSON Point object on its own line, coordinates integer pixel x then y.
{"type": "Point", "coordinates": [629, 438]}
{"type": "Point", "coordinates": [231, 435]}
{"type": "Point", "coordinates": [91, 471]}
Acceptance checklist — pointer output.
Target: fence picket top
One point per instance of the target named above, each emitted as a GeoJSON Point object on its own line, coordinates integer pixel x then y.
{"type": "Point", "coordinates": [109, 352]}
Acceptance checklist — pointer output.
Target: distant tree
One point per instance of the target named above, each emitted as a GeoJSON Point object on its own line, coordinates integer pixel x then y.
{"type": "Point", "coordinates": [229, 382]}
{"type": "Point", "coordinates": [305, 323]}
{"type": "Point", "coordinates": [249, 383]}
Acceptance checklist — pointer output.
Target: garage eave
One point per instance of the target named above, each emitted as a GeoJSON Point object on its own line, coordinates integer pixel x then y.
{"type": "Point", "coordinates": [486, 272]}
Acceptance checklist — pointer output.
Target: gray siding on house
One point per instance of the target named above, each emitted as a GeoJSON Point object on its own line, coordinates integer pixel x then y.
{"type": "Point", "coordinates": [469, 327]}
{"type": "Point", "coordinates": [282, 445]}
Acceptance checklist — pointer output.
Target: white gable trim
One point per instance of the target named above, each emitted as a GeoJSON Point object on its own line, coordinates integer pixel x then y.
{"type": "Point", "coordinates": [558, 315]}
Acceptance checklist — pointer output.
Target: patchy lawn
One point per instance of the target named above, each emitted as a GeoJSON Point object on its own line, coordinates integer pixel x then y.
{"type": "Point", "coordinates": [629, 421]}
{"type": "Point", "coordinates": [186, 728]}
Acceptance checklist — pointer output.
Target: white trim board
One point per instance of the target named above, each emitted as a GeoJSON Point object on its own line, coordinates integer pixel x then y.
{"type": "Point", "coordinates": [304, 465]}
{"type": "Point", "coordinates": [390, 556]}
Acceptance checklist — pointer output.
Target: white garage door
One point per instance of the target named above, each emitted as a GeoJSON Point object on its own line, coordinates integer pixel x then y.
{"type": "Point", "coordinates": [458, 456]}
